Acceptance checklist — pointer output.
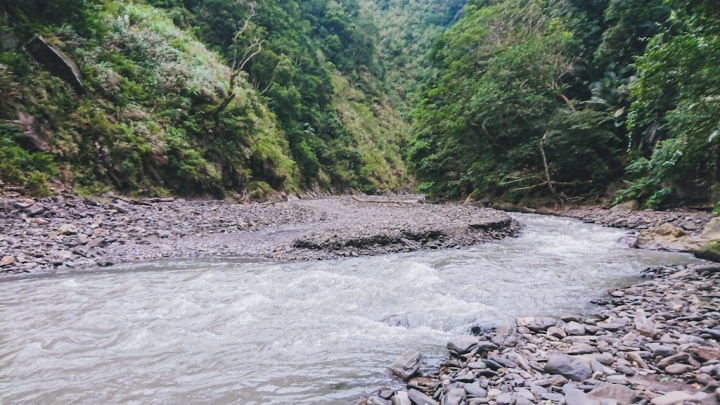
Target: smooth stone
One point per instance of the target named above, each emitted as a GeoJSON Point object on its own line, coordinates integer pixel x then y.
{"type": "Point", "coordinates": [474, 390]}
{"type": "Point", "coordinates": [577, 397]}
{"type": "Point", "coordinates": [674, 397]}
{"type": "Point", "coordinates": [645, 326]}
{"type": "Point", "coordinates": [704, 354]}
{"type": "Point", "coordinates": [574, 328]}
{"type": "Point", "coordinates": [7, 260]}
{"type": "Point", "coordinates": [659, 350]}
{"type": "Point", "coordinates": [620, 393]}
{"type": "Point", "coordinates": [617, 379]}
{"type": "Point", "coordinates": [505, 398]}
{"type": "Point", "coordinates": [407, 364]}
{"type": "Point", "coordinates": [418, 398]}
{"type": "Point", "coordinates": [462, 344]}
{"type": "Point", "coordinates": [400, 398]}
{"type": "Point", "coordinates": [551, 396]}
{"type": "Point", "coordinates": [454, 396]}
{"type": "Point", "coordinates": [680, 357]}
{"type": "Point", "coordinates": [568, 367]}
{"type": "Point", "coordinates": [67, 229]}
{"type": "Point", "coordinates": [556, 332]}
{"type": "Point", "coordinates": [675, 369]}
{"type": "Point", "coordinates": [581, 348]}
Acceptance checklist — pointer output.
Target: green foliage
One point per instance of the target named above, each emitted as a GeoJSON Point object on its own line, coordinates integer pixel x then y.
{"type": "Point", "coordinates": [676, 106]}
{"type": "Point", "coordinates": [37, 185]}
{"type": "Point", "coordinates": [408, 30]}
{"type": "Point", "coordinates": [498, 90]}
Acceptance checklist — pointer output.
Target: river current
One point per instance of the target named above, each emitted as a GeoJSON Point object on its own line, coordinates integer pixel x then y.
{"type": "Point", "coordinates": [230, 331]}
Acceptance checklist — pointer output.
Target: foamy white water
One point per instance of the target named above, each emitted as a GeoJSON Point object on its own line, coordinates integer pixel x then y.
{"type": "Point", "coordinates": [232, 331]}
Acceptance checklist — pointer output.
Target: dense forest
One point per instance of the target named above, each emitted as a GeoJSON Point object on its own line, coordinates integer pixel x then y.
{"type": "Point", "coordinates": [489, 99]}
{"type": "Point", "coordinates": [564, 98]}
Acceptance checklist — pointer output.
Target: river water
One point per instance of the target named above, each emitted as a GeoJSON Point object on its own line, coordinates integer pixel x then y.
{"type": "Point", "coordinates": [232, 331]}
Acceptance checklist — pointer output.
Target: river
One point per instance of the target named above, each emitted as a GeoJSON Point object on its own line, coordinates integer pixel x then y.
{"type": "Point", "coordinates": [235, 331]}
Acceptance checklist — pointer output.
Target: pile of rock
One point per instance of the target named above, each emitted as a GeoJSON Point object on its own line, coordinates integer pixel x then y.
{"type": "Point", "coordinates": [72, 231]}
{"type": "Point", "coordinates": [409, 228]}
{"type": "Point", "coordinates": [654, 342]}
{"type": "Point", "coordinates": [67, 231]}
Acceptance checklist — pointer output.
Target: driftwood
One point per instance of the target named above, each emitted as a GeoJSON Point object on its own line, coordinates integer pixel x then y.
{"type": "Point", "coordinates": [386, 201]}
{"type": "Point", "coordinates": [548, 181]}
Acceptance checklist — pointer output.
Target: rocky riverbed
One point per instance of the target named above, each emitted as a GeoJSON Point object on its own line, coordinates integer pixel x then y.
{"type": "Point", "coordinates": [653, 343]}
{"type": "Point", "coordinates": [66, 231]}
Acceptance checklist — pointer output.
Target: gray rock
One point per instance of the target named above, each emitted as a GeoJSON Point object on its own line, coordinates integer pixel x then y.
{"type": "Point", "coordinates": [568, 367]}
{"type": "Point", "coordinates": [474, 390]}
{"type": "Point", "coordinates": [407, 364]}
{"type": "Point", "coordinates": [67, 229]}
{"type": "Point", "coordinates": [577, 397]}
{"type": "Point", "coordinates": [485, 346]}
{"type": "Point", "coordinates": [462, 344]}
{"type": "Point", "coordinates": [454, 396]}
{"type": "Point", "coordinates": [58, 63]}
{"type": "Point", "coordinates": [164, 234]}
{"type": "Point", "coordinates": [674, 397]}
{"type": "Point", "coordinates": [675, 369]}
{"type": "Point", "coordinates": [505, 398]}
{"type": "Point", "coordinates": [556, 332]}
{"type": "Point", "coordinates": [35, 210]}
{"type": "Point", "coordinates": [678, 358]}
{"type": "Point", "coordinates": [400, 398]}
{"type": "Point", "coordinates": [538, 390]}
{"type": "Point", "coordinates": [616, 392]}
{"type": "Point", "coordinates": [574, 328]}
{"type": "Point", "coordinates": [659, 350]}
{"type": "Point", "coordinates": [581, 348]}
{"type": "Point", "coordinates": [645, 326]}
{"type": "Point", "coordinates": [418, 398]}
{"type": "Point", "coordinates": [611, 326]}
{"type": "Point", "coordinates": [616, 379]}
{"type": "Point", "coordinates": [551, 396]}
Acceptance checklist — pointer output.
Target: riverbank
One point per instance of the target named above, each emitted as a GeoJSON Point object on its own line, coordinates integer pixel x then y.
{"type": "Point", "coordinates": [65, 231]}
{"type": "Point", "coordinates": [680, 229]}
{"type": "Point", "coordinates": [652, 343]}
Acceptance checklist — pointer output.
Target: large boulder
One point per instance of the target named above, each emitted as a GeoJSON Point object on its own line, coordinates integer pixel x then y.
{"type": "Point", "coordinates": [568, 367]}
{"type": "Point", "coordinates": [666, 237]}
{"type": "Point", "coordinates": [712, 229]}
{"type": "Point", "coordinates": [631, 205]}
{"type": "Point", "coordinates": [57, 62]}
{"type": "Point", "coordinates": [709, 251]}
{"type": "Point", "coordinates": [407, 364]}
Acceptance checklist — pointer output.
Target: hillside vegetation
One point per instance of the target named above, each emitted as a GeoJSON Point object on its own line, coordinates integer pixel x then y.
{"type": "Point", "coordinates": [562, 98]}
{"type": "Point", "coordinates": [520, 100]}
{"type": "Point", "coordinates": [167, 108]}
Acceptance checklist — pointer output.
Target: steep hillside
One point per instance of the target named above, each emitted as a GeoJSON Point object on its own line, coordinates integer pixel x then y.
{"type": "Point", "coordinates": [563, 99]}
{"type": "Point", "coordinates": [166, 107]}
{"type": "Point", "coordinates": [407, 30]}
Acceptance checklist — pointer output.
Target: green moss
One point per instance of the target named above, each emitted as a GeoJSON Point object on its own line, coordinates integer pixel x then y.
{"type": "Point", "coordinates": [710, 251]}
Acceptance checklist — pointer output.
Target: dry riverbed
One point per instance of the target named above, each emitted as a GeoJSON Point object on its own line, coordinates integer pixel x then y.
{"type": "Point", "coordinates": [65, 231]}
